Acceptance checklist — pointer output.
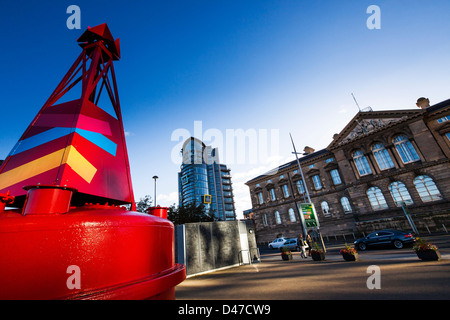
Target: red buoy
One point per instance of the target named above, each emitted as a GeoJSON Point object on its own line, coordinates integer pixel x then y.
{"type": "Point", "coordinates": [69, 235]}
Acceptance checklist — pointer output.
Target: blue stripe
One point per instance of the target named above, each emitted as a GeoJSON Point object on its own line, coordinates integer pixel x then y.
{"type": "Point", "coordinates": [99, 140]}
{"type": "Point", "coordinates": [38, 139]}
{"type": "Point", "coordinates": [96, 138]}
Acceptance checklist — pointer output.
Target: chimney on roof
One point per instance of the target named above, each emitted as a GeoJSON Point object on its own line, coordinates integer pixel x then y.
{"type": "Point", "coordinates": [423, 103]}
{"type": "Point", "coordinates": [308, 150]}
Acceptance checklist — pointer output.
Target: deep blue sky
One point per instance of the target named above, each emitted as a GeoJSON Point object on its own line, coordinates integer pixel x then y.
{"type": "Point", "coordinates": [279, 65]}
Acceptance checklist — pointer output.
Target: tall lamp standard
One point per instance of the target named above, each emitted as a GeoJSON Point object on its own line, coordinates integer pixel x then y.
{"type": "Point", "coordinates": [307, 194]}
{"type": "Point", "coordinates": [155, 177]}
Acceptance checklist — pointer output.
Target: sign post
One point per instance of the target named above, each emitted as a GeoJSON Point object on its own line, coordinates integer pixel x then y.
{"type": "Point", "coordinates": [309, 215]}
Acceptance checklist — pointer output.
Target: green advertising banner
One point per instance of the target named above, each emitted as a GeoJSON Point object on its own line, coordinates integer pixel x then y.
{"type": "Point", "coordinates": [309, 215]}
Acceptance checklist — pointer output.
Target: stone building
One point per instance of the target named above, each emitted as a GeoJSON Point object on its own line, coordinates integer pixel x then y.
{"type": "Point", "coordinates": [380, 165]}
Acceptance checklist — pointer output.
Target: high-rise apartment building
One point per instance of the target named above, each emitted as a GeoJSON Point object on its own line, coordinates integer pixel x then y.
{"type": "Point", "coordinates": [204, 180]}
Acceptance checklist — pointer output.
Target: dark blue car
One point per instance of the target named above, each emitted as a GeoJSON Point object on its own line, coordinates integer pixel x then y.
{"type": "Point", "coordinates": [395, 238]}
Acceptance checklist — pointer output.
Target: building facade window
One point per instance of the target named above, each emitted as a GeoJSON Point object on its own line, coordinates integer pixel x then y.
{"type": "Point", "coordinates": [405, 149]}
{"type": "Point", "coordinates": [292, 215]}
{"type": "Point", "coordinates": [382, 156]}
{"type": "Point", "coordinates": [427, 189]}
{"type": "Point", "coordinates": [285, 190]}
{"type": "Point", "coordinates": [346, 205]}
{"type": "Point", "coordinates": [325, 208]}
{"type": "Point", "coordinates": [400, 194]}
{"type": "Point", "coordinates": [272, 194]}
{"type": "Point", "coordinates": [444, 119]}
{"type": "Point", "coordinates": [335, 176]}
{"type": "Point", "coordinates": [376, 198]}
{"type": "Point", "coordinates": [265, 223]}
{"type": "Point", "coordinates": [260, 198]}
{"type": "Point", "coordinates": [277, 217]}
{"type": "Point", "coordinates": [316, 181]}
{"type": "Point", "coordinates": [300, 186]}
{"type": "Point", "coordinates": [361, 163]}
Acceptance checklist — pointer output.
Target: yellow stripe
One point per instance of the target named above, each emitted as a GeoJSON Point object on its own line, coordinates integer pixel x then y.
{"type": "Point", "coordinates": [53, 160]}
{"type": "Point", "coordinates": [79, 164]}
{"type": "Point", "coordinates": [31, 169]}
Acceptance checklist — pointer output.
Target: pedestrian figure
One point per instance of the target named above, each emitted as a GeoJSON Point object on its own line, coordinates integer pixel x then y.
{"type": "Point", "coordinates": [309, 242]}
{"type": "Point", "coordinates": [301, 244]}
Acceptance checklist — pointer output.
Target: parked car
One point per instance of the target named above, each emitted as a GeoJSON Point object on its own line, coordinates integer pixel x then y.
{"type": "Point", "coordinates": [395, 238]}
{"type": "Point", "coordinates": [277, 243]}
{"type": "Point", "coordinates": [291, 244]}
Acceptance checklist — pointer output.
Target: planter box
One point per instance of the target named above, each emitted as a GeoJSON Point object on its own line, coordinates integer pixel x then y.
{"type": "Point", "coordinates": [286, 257]}
{"type": "Point", "coordinates": [318, 256]}
{"type": "Point", "coordinates": [350, 257]}
{"type": "Point", "coordinates": [429, 255]}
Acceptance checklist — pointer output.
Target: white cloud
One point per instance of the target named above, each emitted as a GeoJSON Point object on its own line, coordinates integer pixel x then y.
{"type": "Point", "coordinates": [166, 200]}
{"type": "Point", "coordinates": [241, 191]}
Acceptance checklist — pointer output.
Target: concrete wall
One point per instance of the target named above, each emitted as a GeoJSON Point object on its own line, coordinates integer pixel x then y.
{"type": "Point", "coordinates": [208, 246]}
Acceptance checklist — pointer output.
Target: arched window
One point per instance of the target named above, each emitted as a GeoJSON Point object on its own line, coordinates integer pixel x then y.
{"type": "Point", "coordinates": [272, 194]}
{"type": "Point", "coordinates": [260, 198]}
{"type": "Point", "coordinates": [301, 188]}
{"type": "Point", "coordinates": [291, 215]}
{"type": "Point", "coordinates": [400, 193]}
{"type": "Point", "coordinates": [285, 190]}
{"type": "Point", "coordinates": [325, 208]}
{"type": "Point", "coordinates": [346, 205]}
{"type": "Point", "coordinates": [335, 177]}
{"type": "Point", "coordinates": [265, 223]}
{"type": "Point", "coordinates": [405, 149]}
{"type": "Point", "coordinates": [361, 163]}
{"type": "Point", "coordinates": [376, 198]}
{"type": "Point", "coordinates": [427, 189]}
{"type": "Point", "coordinates": [382, 156]}
{"type": "Point", "coordinates": [277, 217]}
{"type": "Point", "coordinates": [316, 181]}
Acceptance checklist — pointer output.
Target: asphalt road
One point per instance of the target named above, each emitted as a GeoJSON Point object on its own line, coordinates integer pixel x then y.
{"type": "Point", "coordinates": [398, 273]}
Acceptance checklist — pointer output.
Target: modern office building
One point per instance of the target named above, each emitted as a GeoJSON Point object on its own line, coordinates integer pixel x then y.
{"type": "Point", "coordinates": [381, 165]}
{"type": "Point", "coordinates": [203, 180]}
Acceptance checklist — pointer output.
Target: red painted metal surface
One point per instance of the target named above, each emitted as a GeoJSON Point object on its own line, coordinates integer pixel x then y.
{"type": "Point", "coordinates": [78, 143]}
{"type": "Point", "coordinates": [158, 211]}
{"type": "Point", "coordinates": [120, 254]}
{"type": "Point", "coordinates": [5, 199]}
{"type": "Point", "coordinates": [57, 244]}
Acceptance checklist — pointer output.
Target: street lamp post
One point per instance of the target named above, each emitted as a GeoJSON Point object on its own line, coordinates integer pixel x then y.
{"type": "Point", "coordinates": [307, 195]}
{"type": "Point", "coordinates": [300, 169]}
{"type": "Point", "coordinates": [155, 177]}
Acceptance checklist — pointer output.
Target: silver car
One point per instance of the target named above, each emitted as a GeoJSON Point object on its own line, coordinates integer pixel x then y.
{"type": "Point", "coordinates": [277, 243]}
{"type": "Point", "coordinates": [291, 244]}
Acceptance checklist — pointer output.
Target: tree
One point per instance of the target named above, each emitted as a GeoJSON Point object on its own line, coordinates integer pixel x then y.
{"type": "Point", "coordinates": [144, 204]}
{"type": "Point", "coordinates": [188, 213]}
